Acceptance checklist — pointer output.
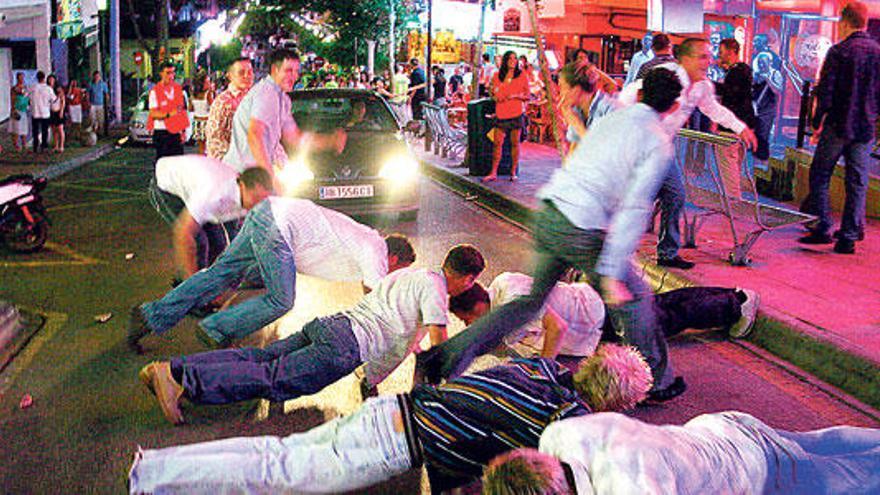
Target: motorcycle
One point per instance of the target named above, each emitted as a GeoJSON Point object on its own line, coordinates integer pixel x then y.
{"type": "Point", "coordinates": [24, 225]}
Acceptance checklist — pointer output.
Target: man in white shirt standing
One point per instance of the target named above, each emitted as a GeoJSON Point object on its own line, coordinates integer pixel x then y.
{"type": "Point", "coordinates": [694, 57]}
{"type": "Point", "coordinates": [214, 199]}
{"type": "Point", "coordinates": [41, 102]}
{"type": "Point", "coordinates": [380, 330]}
{"type": "Point", "coordinates": [279, 237]}
{"type": "Point", "coordinates": [726, 452]}
{"type": "Point", "coordinates": [572, 320]}
{"type": "Point", "coordinates": [640, 57]}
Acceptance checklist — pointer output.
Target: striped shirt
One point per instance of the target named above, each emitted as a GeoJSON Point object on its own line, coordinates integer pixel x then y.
{"type": "Point", "coordinates": [466, 422]}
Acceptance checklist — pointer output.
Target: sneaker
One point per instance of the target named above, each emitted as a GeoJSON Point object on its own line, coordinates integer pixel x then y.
{"type": "Point", "coordinates": [845, 246]}
{"type": "Point", "coordinates": [137, 329]}
{"type": "Point", "coordinates": [675, 389]}
{"type": "Point", "coordinates": [145, 375]}
{"type": "Point", "coordinates": [749, 309]}
{"type": "Point", "coordinates": [816, 238]}
{"type": "Point", "coordinates": [168, 391]}
{"type": "Point", "coordinates": [677, 262]}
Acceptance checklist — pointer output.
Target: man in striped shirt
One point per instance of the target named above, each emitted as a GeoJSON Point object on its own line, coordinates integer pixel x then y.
{"type": "Point", "coordinates": [453, 429]}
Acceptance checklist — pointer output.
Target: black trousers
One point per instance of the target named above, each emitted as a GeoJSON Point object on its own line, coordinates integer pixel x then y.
{"type": "Point", "coordinates": [41, 133]}
{"type": "Point", "coordinates": [167, 144]}
{"type": "Point", "coordinates": [417, 107]}
{"type": "Point", "coordinates": [698, 308]}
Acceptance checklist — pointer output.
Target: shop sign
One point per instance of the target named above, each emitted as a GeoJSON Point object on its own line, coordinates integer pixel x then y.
{"type": "Point", "coordinates": [68, 18]}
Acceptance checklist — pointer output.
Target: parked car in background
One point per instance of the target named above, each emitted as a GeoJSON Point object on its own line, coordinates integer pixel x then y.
{"type": "Point", "coordinates": [375, 173]}
{"type": "Point", "coordinates": [137, 125]}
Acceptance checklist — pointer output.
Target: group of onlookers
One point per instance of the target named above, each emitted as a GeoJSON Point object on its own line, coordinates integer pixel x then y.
{"type": "Point", "coordinates": [54, 107]}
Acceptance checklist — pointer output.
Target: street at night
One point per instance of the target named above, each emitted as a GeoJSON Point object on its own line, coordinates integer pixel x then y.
{"type": "Point", "coordinates": [90, 412]}
{"type": "Point", "coordinates": [496, 247]}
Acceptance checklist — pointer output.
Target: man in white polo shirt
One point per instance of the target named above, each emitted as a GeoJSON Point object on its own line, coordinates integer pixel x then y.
{"type": "Point", "coordinates": [279, 237]}
{"type": "Point", "coordinates": [380, 330]}
{"type": "Point", "coordinates": [573, 318]}
{"type": "Point", "coordinates": [204, 201]}
{"type": "Point", "coordinates": [725, 452]}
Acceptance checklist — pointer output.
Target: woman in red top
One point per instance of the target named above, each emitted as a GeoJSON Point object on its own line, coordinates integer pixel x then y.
{"type": "Point", "coordinates": [510, 89]}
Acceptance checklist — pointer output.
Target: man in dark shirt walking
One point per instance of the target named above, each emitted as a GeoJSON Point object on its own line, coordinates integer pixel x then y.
{"type": "Point", "coordinates": [417, 84]}
{"type": "Point", "coordinates": [848, 101]}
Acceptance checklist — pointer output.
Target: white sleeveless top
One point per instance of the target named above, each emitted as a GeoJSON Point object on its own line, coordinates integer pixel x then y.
{"type": "Point", "coordinates": [201, 108]}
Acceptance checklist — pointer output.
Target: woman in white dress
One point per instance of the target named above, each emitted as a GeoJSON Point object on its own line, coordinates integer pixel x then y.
{"type": "Point", "coordinates": [200, 104]}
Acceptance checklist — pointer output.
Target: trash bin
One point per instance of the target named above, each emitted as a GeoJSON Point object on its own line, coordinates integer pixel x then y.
{"type": "Point", "coordinates": [479, 153]}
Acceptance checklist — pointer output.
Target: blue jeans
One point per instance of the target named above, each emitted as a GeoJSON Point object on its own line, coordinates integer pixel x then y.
{"type": "Point", "coordinates": [345, 454]}
{"type": "Point", "coordinates": [324, 351]}
{"type": "Point", "coordinates": [259, 244]}
{"type": "Point", "coordinates": [857, 155]}
{"type": "Point", "coordinates": [672, 197]}
{"type": "Point", "coordinates": [559, 245]}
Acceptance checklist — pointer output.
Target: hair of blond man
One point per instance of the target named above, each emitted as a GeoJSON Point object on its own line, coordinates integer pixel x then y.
{"type": "Point", "coordinates": [615, 378]}
{"type": "Point", "coordinates": [525, 472]}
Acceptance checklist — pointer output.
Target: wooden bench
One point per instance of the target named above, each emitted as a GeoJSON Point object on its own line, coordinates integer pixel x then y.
{"type": "Point", "coordinates": [695, 157]}
{"type": "Point", "coordinates": [447, 140]}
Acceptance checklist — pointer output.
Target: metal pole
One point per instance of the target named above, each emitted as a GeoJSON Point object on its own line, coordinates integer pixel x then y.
{"type": "Point", "coordinates": [391, 40]}
{"type": "Point", "coordinates": [115, 79]}
{"type": "Point", "coordinates": [428, 80]}
{"type": "Point", "coordinates": [478, 53]}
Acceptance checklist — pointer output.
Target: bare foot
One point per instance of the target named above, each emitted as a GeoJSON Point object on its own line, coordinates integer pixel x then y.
{"type": "Point", "coordinates": [490, 178]}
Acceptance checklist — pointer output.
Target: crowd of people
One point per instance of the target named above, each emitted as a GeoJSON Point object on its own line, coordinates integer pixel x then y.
{"type": "Point", "coordinates": [50, 112]}
{"type": "Point", "coordinates": [527, 424]}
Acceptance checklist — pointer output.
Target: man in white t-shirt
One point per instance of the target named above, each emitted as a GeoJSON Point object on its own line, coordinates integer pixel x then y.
{"type": "Point", "coordinates": [725, 452]}
{"type": "Point", "coordinates": [380, 330]}
{"type": "Point", "coordinates": [279, 237]}
{"type": "Point", "coordinates": [572, 320]}
{"type": "Point", "coordinates": [214, 199]}
{"type": "Point", "coordinates": [41, 104]}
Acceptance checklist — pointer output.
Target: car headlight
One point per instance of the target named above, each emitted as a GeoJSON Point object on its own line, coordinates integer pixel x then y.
{"type": "Point", "coordinates": [402, 167]}
{"type": "Point", "coordinates": [295, 173]}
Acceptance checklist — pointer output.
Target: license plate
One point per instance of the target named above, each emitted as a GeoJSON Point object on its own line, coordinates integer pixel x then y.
{"type": "Point", "coordinates": [344, 192]}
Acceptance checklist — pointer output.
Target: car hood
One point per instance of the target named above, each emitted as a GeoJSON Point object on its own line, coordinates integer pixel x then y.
{"type": "Point", "coordinates": [363, 156]}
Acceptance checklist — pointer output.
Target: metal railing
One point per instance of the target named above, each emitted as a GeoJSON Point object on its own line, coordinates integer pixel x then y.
{"type": "Point", "coordinates": [696, 156]}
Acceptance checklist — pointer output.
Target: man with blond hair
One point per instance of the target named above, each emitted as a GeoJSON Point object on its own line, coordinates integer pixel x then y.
{"type": "Point", "coordinates": [453, 429]}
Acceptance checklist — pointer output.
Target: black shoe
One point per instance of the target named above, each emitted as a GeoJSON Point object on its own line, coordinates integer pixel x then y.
{"type": "Point", "coordinates": [677, 388]}
{"type": "Point", "coordinates": [845, 246]}
{"type": "Point", "coordinates": [816, 238]}
{"type": "Point", "coordinates": [677, 262]}
{"type": "Point", "coordinates": [137, 329]}
{"type": "Point", "coordinates": [861, 237]}
{"type": "Point", "coordinates": [209, 341]}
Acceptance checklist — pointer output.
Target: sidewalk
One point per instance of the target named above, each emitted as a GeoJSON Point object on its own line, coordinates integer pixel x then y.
{"type": "Point", "coordinates": [48, 164]}
{"type": "Point", "coordinates": [821, 310]}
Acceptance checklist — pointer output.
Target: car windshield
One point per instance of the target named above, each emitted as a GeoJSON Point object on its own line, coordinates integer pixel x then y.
{"type": "Point", "coordinates": [324, 114]}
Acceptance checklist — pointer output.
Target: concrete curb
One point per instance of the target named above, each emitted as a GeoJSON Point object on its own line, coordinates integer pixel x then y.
{"type": "Point", "coordinates": [56, 170]}
{"type": "Point", "coordinates": [803, 345]}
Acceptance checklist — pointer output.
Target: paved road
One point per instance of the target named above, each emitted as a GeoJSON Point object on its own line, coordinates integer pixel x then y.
{"type": "Point", "coordinates": [89, 412]}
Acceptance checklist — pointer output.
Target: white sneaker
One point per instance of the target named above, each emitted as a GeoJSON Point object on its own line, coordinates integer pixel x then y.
{"type": "Point", "coordinates": [749, 308]}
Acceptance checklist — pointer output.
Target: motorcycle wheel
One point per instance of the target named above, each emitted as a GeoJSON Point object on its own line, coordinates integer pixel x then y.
{"type": "Point", "coordinates": [24, 237]}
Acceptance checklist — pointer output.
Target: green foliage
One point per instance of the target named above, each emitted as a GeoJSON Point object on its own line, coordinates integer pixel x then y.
{"type": "Point", "coordinates": [348, 20]}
